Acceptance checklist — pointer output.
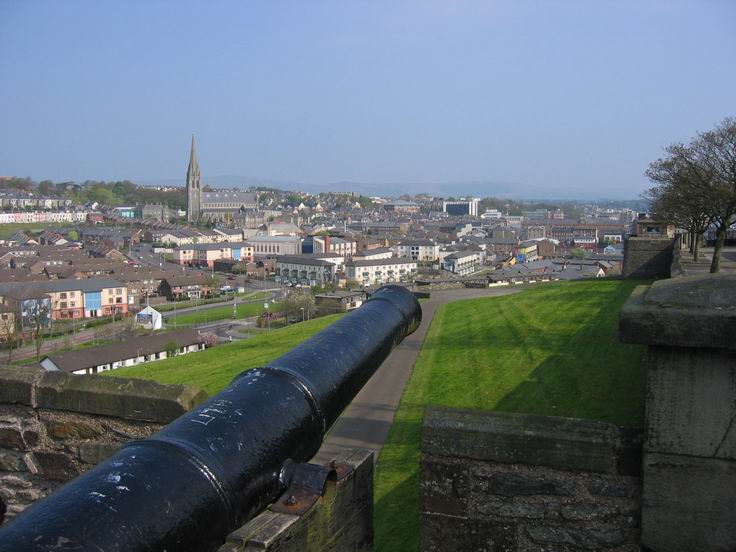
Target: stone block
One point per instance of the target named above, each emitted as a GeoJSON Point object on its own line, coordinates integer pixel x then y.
{"type": "Point", "coordinates": [56, 466]}
{"type": "Point", "coordinates": [513, 484]}
{"type": "Point", "coordinates": [691, 402]}
{"type": "Point", "coordinates": [623, 488]}
{"type": "Point", "coordinates": [17, 384]}
{"type": "Point", "coordinates": [694, 311]}
{"type": "Point", "coordinates": [597, 537]}
{"type": "Point", "coordinates": [562, 443]}
{"type": "Point", "coordinates": [129, 399]}
{"type": "Point", "coordinates": [441, 533]}
{"type": "Point", "coordinates": [648, 257]}
{"type": "Point", "coordinates": [12, 438]}
{"type": "Point", "coordinates": [12, 461]}
{"type": "Point", "coordinates": [444, 486]}
{"type": "Point", "coordinates": [94, 453]}
{"type": "Point", "coordinates": [70, 429]}
{"type": "Point", "coordinates": [689, 503]}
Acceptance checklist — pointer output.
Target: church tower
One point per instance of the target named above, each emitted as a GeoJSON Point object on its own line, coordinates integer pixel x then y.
{"type": "Point", "coordinates": [194, 190]}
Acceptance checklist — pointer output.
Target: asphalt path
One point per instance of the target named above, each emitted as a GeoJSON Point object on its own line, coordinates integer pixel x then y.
{"type": "Point", "coordinates": [366, 422]}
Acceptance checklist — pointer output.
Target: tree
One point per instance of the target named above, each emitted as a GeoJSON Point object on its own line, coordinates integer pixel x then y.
{"type": "Point", "coordinates": [578, 253]}
{"type": "Point", "coordinates": [9, 333]}
{"type": "Point", "coordinates": [682, 196]}
{"type": "Point", "coordinates": [716, 149]}
{"type": "Point", "coordinates": [697, 184]}
{"type": "Point", "coordinates": [40, 318]}
{"type": "Point", "coordinates": [295, 302]}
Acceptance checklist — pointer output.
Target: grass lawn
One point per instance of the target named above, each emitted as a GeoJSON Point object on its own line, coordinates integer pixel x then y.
{"type": "Point", "coordinates": [248, 295]}
{"type": "Point", "coordinates": [214, 368]}
{"type": "Point", "coordinates": [243, 310]}
{"type": "Point", "coordinates": [551, 350]}
{"type": "Point", "coordinates": [7, 230]}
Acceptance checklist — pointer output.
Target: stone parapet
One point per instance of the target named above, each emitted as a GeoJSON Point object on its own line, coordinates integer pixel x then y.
{"type": "Point", "coordinates": [689, 468]}
{"type": "Point", "coordinates": [648, 257]}
{"type": "Point", "coordinates": [513, 482]}
{"type": "Point", "coordinates": [54, 426]}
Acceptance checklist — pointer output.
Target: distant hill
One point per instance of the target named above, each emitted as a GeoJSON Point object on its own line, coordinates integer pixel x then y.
{"type": "Point", "coordinates": [510, 190]}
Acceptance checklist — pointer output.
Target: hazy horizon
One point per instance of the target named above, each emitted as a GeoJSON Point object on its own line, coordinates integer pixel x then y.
{"type": "Point", "coordinates": [566, 99]}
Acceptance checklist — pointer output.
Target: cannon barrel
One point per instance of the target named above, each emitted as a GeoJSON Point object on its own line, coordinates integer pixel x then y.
{"type": "Point", "coordinates": [205, 474]}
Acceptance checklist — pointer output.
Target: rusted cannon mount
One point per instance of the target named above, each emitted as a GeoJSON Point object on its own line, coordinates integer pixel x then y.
{"type": "Point", "coordinates": [306, 484]}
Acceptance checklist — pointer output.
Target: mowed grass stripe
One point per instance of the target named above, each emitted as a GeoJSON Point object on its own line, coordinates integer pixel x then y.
{"type": "Point", "coordinates": [213, 369]}
{"type": "Point", "coordinates": [551, 350]}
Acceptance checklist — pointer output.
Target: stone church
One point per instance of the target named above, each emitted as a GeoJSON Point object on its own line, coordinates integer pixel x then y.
{"type": "Point", "coordinates": [216, 205]}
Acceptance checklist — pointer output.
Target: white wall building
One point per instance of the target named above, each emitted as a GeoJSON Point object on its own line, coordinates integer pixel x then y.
{"type": "Point", "coordinates": [370, 272]}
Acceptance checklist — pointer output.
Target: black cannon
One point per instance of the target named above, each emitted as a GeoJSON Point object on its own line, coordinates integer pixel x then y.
{"type": "Point", "coordinates": [209, 471]}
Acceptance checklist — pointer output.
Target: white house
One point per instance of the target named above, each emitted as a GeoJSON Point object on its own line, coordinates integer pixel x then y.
{"type": "Point", "coordinates": [128, 353]}
{"type": "Point", "coordinates": [370, 272]}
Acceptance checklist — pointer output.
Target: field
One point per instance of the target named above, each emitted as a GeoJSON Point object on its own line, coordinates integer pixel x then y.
{"type": "Point", "coordinates": [243, 310]}
{"type": "Point", "coordinates": [214, 368]}
{"type": "Point", "coordinates": [7, 230]}
{"type": "Point", "coordinates": [551, 350]}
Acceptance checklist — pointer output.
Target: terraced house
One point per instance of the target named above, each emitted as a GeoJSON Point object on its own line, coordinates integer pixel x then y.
{"type": "Point", "coordinates": [370, 272]}
{"type": "Point", "coordinates": [65, 299]}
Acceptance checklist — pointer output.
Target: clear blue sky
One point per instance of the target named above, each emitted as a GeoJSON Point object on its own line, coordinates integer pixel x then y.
{"type": "Point", "coordinates": [569, 98]}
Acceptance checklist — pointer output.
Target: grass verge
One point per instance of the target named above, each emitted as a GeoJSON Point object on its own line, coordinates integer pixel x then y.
{"type": "Point", "coordinates": [214, 368]}
{"type": "Point", "coordinates": [552, 350]}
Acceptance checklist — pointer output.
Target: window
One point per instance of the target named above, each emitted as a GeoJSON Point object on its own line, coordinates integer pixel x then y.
{"type": "Point", "coordinates": [119, 291]}
{"type": "Point", "coordinates": [62, 295]}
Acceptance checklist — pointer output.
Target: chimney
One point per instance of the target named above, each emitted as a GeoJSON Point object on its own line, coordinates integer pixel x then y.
{"type": "Point", "coordinates": [327, 244]}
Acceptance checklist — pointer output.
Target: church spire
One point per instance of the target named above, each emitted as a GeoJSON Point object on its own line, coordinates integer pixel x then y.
{"type": "Point", "coordinates": [194, 191]}
{"type": "Point", "coordinates": [193, 157]}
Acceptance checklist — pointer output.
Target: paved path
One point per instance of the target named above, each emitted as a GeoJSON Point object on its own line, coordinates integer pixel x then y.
{"type": "Point", "coordinates": [366, 422]}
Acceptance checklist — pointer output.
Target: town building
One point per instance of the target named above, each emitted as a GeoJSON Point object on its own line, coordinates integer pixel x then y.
{"type": "Point", "coordinates": [180, 287]}
{"type": "Point", "coordinates": [401, 206]}
{"type": "Point", "coordinates": [221, 205]}
{"type": "Point", "coordinates": [369, 272]}
{"type": "Point", "coordinates": [339, 301]}
{"type": "Point", "coordinates": [275, 245]}
{"type": "Point", "coordinates": [463, 262]}
{"type": "Point", "coordinates": [373, 254]}
{"type": "Point", "coordinates": [205, 254]}
{"type": "Point", "coordinates": [141, 350]}
{"type": "Point", "coordinates": [310, 270]}
{"type": "Point", "coordinates": [461, 208]}
{"type": "Point", "coordinates": [418, 250]}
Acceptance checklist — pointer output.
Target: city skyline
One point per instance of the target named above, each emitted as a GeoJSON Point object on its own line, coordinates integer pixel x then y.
{"type": "Point", "coordinates": [565, 100]}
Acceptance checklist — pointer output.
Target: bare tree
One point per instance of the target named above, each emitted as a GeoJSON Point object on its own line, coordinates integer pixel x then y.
{"type": "Point", "coordinates": [40, 319]}
{"type": "Point", "coordinates": [9, 333]}
{"type": "Point", "coordinates": [717, 152]}
{"type": "Point", "coordinates": [696, 185]}
{"type": "Point", "coordinates": [682, 195]}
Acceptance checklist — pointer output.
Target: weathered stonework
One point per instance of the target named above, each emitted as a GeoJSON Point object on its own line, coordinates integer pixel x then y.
{"type": "Point", "coordinates": [689, 468]}
{"type": "Point", "coordinates": [510, 482]}
{"type": "Point", "coordinates": [340, 521]}
{"type": "Point", "coordinates": [648, 257]}
{"type": "Point", "coordinates": [55, 426]}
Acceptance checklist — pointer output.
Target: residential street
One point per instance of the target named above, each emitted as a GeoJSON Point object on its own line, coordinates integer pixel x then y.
{"type": "Point", "coordinates": [366, 422]}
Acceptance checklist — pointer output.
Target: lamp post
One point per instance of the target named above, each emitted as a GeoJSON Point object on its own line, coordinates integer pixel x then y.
{"type": "Point", "coordinates": [268, 316]}
{"type": "Point", "coordinates": [302, 314]}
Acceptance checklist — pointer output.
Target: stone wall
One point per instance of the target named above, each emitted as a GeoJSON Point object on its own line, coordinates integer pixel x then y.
{"type": "Point", "coordinates": [647, 257]}
{"type": "Point", "coordinates": [497, 481]}
{"type": "Point", "coordinates": [54, 426]}
{"type": "Point", "coordinates": [340, 521]}
{"type": "Point", "coordinates": [689, 468]}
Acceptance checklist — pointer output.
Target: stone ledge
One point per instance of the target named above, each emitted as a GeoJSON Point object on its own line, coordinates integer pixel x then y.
{"type": "Point", "coordinates": [340, 520]}
{"type": "Point", "coordinates": [128, 399]}
{"type": "Point", "coordinates": [562, 443]}
{"type": "Point", "coordinates": [17, 384]}
{"type": "Point", "coordinates": [692, 311]}
{"type": "Point", "coordinates": [649, 243]}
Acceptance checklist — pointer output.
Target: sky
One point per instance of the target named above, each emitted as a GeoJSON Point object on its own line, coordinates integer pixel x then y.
{"type": "Point", "coordinates": [567, 99]}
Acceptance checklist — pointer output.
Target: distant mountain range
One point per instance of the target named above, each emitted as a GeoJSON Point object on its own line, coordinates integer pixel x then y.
{"type": "Point", "coordinates": [507, 190]}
